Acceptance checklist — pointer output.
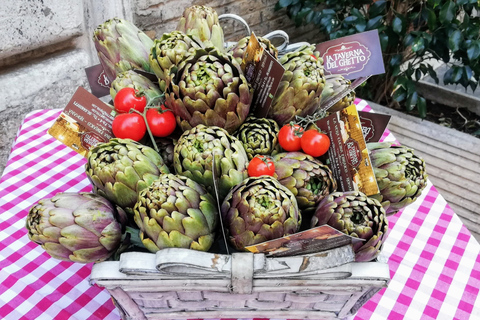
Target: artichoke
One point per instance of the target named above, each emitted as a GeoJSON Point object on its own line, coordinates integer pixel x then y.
{"type": "Point", "coordinates": [259, 136]}
{"type": "Point", "coordinates": [121, 46]}
{"type": "Point", "coordinates": [238, 49]}
{"type": "Point", "coordinates": [135, 80]}
{"type": "Point", "coordinates": [193, 158]}
{"type": "Point", "coordinates": [208, 88]}
{"type": "Point", "coordinates": [306, 177]}
{"type": "Point", "coordinates": [165, 148]}
{"type": "Point", "coordinates": [202, 22]}
{"type": "Point", "coordinates": [356, 215]}
{"type": "Point", "coordinates": [301, 87]}
{"type": "Point", "coordinates": [401, 175]}
{"type": "Point", "coordinates": [78, 227]}
{"type": "Point", "coordinates": [121, 168]}
{"type": "Point", "coordinates": [169, 51]}
{"type": "Point", "coordinates": [176, 212]}
{"type": "Point", "coordinates": [259, 209]}
{"type": "Point", "coordinates": [335, 84]}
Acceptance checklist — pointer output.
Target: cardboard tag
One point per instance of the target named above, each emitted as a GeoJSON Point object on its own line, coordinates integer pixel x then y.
{"type": "Point", "coordinates": [373, 125]}
{"type": "Point", "coordinates": [98, 81]}
{"type": "Point", "coordinates": [85, 122]}
{"type": "Point", "coordinates": [313, 240]}
{"type": "Point", "coordinates": [355, 56]}
{"type": "Point", "coordinates": [264, 73]}
{"type": "Point", "coordinates": [348, 154]}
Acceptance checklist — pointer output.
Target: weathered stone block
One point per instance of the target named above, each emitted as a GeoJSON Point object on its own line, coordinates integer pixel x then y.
{"type": "Point", "coordinates": [47, 84]}
{"type": "Point", "coordinates": [28, 25]}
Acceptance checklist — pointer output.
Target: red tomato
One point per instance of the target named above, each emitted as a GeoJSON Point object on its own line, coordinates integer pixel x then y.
{"type": "Point", "coordinates": [315, 143]}
{"type": "Point", "coordinates": [289, 137]}
{"type": "Point", "coordinates": [129, 98]}
{"type": "Point", "coordinates": [161, 122]}
{"type": "Point", "coordinates": [261, 166]}
{"type": "Point", "coordinates": [129, 126]}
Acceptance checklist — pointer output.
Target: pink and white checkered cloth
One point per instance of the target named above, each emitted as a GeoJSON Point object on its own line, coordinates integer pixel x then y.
{"type": "Point", "coordinates": [434, 261]}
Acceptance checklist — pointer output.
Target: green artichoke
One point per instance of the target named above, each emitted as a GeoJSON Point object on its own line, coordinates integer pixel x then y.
{"type": "Point", "coordinates": [259, 136]}
{"type": "Point", "coordinates": [121, 46]}
{"type": "Point", "coordinates": [208, 88]}
{"type": "Point", "coordinates": [121, 168]}
{"type": "Point", "coordinates": [335, 84]}
{"type": "Point", "coordinates": [176, 212]}
{"type": "Point", "coordinates": [306, 177]}
{"type": "Point", "coordinates": [356, 215]}
{"type": "Point", "coordinates": [301, 87]}
{"type": "Point", "coordinates": [401, 175]}
{"type": "Point", "coordinates": [135, 80]}
{"type": "Point", "coordinates": [78, 227]}
{"type": "Point", "coordinates": [165, 148]}
{"type": "Point", "coordinates": [202, 22]}
{"type": "Point", "coordinates": [168, 51]}
{"type": "Point", "coordinates": [238, 49]}
{"type": "Point", "coordinates": [259, 209]}
{"type": "Point", "coordinates": [193, 158]}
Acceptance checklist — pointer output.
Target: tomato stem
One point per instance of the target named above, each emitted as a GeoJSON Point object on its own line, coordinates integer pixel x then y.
{"type": "Point", "coordinates": [144, 116]}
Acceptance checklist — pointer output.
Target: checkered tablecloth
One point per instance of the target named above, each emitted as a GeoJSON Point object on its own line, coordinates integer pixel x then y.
{"type": "Point", "coordinates": [434, 261]}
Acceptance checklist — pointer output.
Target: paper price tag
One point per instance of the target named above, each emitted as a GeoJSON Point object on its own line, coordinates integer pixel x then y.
{"type": "Point", "coordinates": [85, 122]}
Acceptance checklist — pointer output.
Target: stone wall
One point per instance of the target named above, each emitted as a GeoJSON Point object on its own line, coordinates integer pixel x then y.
{"type": "Point", "coordinates": [46, 45]}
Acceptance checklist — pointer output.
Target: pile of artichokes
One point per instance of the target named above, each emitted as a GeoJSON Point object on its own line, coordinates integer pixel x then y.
{"type": "Point", "coordinates": [177, 196]}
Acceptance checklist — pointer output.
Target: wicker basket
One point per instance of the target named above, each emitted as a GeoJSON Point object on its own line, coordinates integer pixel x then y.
{"type": "Point", "coordinates": [182, 284]}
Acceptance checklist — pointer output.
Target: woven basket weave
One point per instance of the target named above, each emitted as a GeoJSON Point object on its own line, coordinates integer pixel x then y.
{"type": "Point", "coordinates": [182, 284]}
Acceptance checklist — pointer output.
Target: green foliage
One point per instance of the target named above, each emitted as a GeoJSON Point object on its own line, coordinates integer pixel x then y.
{"type": "Point", "coordinates": [411, 33]}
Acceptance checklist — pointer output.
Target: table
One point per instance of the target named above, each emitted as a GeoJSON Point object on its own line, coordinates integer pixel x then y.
{"type": "Point", "coordinates": [434, 261]}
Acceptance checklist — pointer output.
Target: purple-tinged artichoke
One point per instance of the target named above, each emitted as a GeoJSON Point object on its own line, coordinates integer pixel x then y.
{"type": "Point", "coordinates": [306, 177]}
{"type": "Point", "coordinates": [208, 88]}
{"type": "Point", "coordinates": [169, 51]}
{"type": "Point", "coordinates": [202, 23]}
{"type": "Point", "coordinates": [401, 175]}
{"type": "Point", "coordinates": [78, 227]}
{"type": "Point", "coordinates": [238, 49]}
{"type": "Point", "coordinates": [121, 46]}
{"type": "Point", "coordinates": [259, 209]}
{"type": "Point", "coordinates": [176, 212]}
{"type": "Point", "coordinates": [194, 153]}
{"type": "Point", "coordinates": [356, 215]}
{"type": "Point", "coordinates": [121, 168]}
{"type": "Point", "coordinates": [132, 79]}
{"type": "Point", "coordinates": [259, 136]}
{"type": "Point", "coordinates": [301, 87]}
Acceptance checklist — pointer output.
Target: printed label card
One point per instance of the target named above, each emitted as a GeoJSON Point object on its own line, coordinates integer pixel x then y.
{"type": "Point", "coordinates": [264, 73]}
{"type": "Point", "coordinates": [85, 122]}
{"type": "Point", "coordinates": [348, 154]}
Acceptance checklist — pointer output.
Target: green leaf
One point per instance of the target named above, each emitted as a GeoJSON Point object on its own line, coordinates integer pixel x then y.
{"type": "Point", "coordinates": [418, 74]}
{"type": "Point", "coordinates": [284, 3]}
{"type": "Point", "coordinates": [396, 60]}
{"type": "Point", "coordinates": [398, 25]}
{"type": "Point", "coordinates": [350, 19]}
{"type": "Point", "coordinates": [412, 100]}
{"type": "Point", "coordinates": [434, 3]}
{"type": "Point", "coordinates": [432, 19]}
{"type": "Point", "coordinates": [473, 51]}
{"type": "Point", "coordinates": [454, 40]}
{"type": "Point", "coordinates": [447, 12]}
{"type": "Point", "coordinates": [422, 107]}
{"type": "Point", "coordinates": [374, 23]}
{"type": "Point", "coordinates": [399, 95]}
{"type": "Point", "coordinates": [447, 76]}
{"type": "Point", "coordinates": [377, 8]}
{"type": "Point", "coordinates": [418, 45]}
